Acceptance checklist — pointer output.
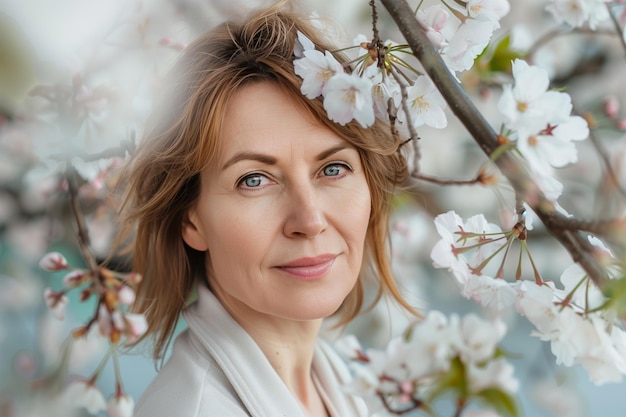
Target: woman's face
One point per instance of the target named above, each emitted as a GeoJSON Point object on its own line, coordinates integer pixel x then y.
{"type": "Point", "coordinates": [283, 212]}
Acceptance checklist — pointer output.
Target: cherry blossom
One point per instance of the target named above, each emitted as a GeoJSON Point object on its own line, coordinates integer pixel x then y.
{"type": "Point", "coordinates": [576, 12]}
{"type": "Point", "coordinates": [479, 338]}
{"type": "Point", "coordinates": [349, 97]}
{"type": "Point", "coordinates": [315, 67]}
{"type": "Point", "coordinates": [466, 243]}
{"type": "Point", "coordinates": [469, 40]}
{"type": "Point", "coordinates": [120, 405]}
{"type": "Point", "coordinates": [434, 20]}
{"type": "Point", "coordinates": [492, 10]}
{"type": "Point", "coordinates": [426, 104]}
{"type": "Point", "coordinates": [552, 143]}
{"type": "Point", "coordinates": [525, 101]}
{"type": "Point", "coordinates": [115, 324]}
{"type": "Point", "coordinates": [383, 89]}
{"type": "Point", "coordinates": [84, 394]}
{"type": "Point", "coordinates": [496, 374]}
{"type": "Point", "coordinates": [412, 365]}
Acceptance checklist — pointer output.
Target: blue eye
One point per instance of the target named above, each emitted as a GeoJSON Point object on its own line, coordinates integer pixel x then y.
{"type": "Point", "coordinates": [335, 170]}
{"type": "Point", "coordinates": [253, 181]}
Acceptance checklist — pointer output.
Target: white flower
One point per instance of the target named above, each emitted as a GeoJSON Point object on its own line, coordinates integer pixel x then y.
{"type": "Point", "coordinates": [490, 292]}
{"type": "Point", "coordinates": [587, 342]}
{"type": "Point", "coordinates": [348, 347]}
{"type": "Point", "coordinates": [84, 394]}
{"type": "Point", "coordinates": [383, 89]}
{"type": "Point", "coordinates": [348, 97]}
{"type": "Point", "coordinates": [584, 292]}
{"type": "Point", "coordinates": [476, 233]}
{"type": "Point", "coordinates": [467, 43]}
{"type": "Point", "coordinates": [425, 104]}
{"type": "Point", "coordinates": [316, 69]}
{"type": "Point", "coordinates": [523, 103]}
{"type": "Point", "coordinates": [434, 20]}
{"type": "Point", "coordinates": [496, 374]}
{"type": "Point", "coordinates": [56, 302]}
{"type": "Point", "coordinates": [550, 139]}
{"type": "Point", "coordinates": [536, 302]}
{"type": "Point", "coordinates": [436, 339]}
{"type": "Point", "coordinates": [121, 405]}
{"type": "Point", "coordinates": [491, 10]}
{"type": "Point", "coordinates": [479, 338]}
{"type": "Point", "coordinates": [302, 44]}
{"type": "Point", "coordinates": [53, 261]}
{"type": "Point", "coordinates": [576, 12]}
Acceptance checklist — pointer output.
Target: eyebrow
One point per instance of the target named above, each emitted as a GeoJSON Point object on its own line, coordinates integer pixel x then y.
{"type": "Point", "coordinates": [270, 160]}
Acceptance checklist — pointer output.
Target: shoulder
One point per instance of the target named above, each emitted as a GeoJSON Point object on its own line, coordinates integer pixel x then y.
{"type": "Point", "coordinates": [190, 384]}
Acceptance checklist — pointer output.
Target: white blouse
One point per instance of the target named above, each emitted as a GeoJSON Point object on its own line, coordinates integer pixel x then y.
{"type": "Point", "coordinates": [217, 370]}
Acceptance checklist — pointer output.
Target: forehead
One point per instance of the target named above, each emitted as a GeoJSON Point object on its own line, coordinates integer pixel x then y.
{"type": "Point", "coordinates": [261, 116]}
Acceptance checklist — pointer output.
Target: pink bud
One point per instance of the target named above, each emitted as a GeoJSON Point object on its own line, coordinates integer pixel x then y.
{"type": "Point", "coordinates": [621, 124]}
{"type": "Point", "coordinates": [611, 106]}
{"type": "Point", "coordinates": [136, 326]}
{"type": "Point", "coordinates": [126, 295]}
{"type": "Point", "coordinates": [104, 321]}
{"type": "Point", "coordinates": [53, 261]}
{"type": "Point", "coordinates": [74, 278]}
{"type": "Point", "coordinates": [56, 302]}
{"type": "Point", "coordinates": [134, 278]}
{"type": "Point", "coordinates": [165, 41]}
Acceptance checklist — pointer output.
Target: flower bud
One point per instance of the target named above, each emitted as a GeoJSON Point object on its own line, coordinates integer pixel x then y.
{"type": "Point", "coordinates": [53, 261]}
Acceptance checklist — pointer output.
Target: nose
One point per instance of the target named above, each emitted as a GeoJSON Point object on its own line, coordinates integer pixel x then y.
{"type": "Point", "coordinates": [306, 217]}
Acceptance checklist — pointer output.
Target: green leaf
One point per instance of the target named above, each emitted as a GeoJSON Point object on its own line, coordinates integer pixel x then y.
{"type": "Point", "coordinates": [615, 291]}
{"type": "Point", "coordinates": [502, 402]}
{"type": "Point", "coordinates": [503, 56]}
{"type": "Point", "coordinates": [454, 381]}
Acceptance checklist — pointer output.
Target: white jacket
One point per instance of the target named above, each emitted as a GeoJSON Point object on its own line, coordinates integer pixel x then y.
{"type": "Point", "coordinates": [217, 370]}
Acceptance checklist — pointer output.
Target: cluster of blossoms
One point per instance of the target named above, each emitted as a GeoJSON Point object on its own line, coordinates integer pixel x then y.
{"type": "Point", "coordinates": [540, 123]}
{"type": "Point", "coordinates": [114, 295]}
{"type": "Point", "coordinates": [577, 320]}
{"type": "Point", "coordinates": [113, 290]}
{"type": "Point", "coordinates": [578, 12]}
{"type": "Point", "coordinates": [460, 31]}
{"type": "Point", "coordinates": [436, 357]}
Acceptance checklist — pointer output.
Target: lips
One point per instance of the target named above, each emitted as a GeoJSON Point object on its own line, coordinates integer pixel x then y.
{"type": "Point", "coordinates": [309, 268]}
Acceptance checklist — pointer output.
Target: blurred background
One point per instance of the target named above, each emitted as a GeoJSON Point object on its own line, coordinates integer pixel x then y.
{"type": "Point", "coordinates": [79, 76]}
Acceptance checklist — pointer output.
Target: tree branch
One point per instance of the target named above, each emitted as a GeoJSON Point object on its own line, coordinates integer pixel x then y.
{"type": "Point", "coordinates": [484, 135]}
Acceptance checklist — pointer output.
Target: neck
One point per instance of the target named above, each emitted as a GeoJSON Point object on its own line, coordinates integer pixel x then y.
{"type": "Point", "coordinates": [289, 346]}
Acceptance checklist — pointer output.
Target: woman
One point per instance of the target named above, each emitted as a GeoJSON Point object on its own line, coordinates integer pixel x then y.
{"type": "Point", "coordinates": [244, 190]}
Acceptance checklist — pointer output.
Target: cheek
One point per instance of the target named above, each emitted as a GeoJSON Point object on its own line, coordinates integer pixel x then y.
{"type": "Point", "coordinates": [356, 217]}
{"type": "Point", "coordinates": [238, 232]}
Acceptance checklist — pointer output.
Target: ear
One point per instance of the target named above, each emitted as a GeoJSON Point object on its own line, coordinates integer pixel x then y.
{"type": "Point", "coordinates": [192, 234]}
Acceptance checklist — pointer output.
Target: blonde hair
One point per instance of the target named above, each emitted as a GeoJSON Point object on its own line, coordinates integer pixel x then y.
{"type": "Point", "coordinates": [162, 180]}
